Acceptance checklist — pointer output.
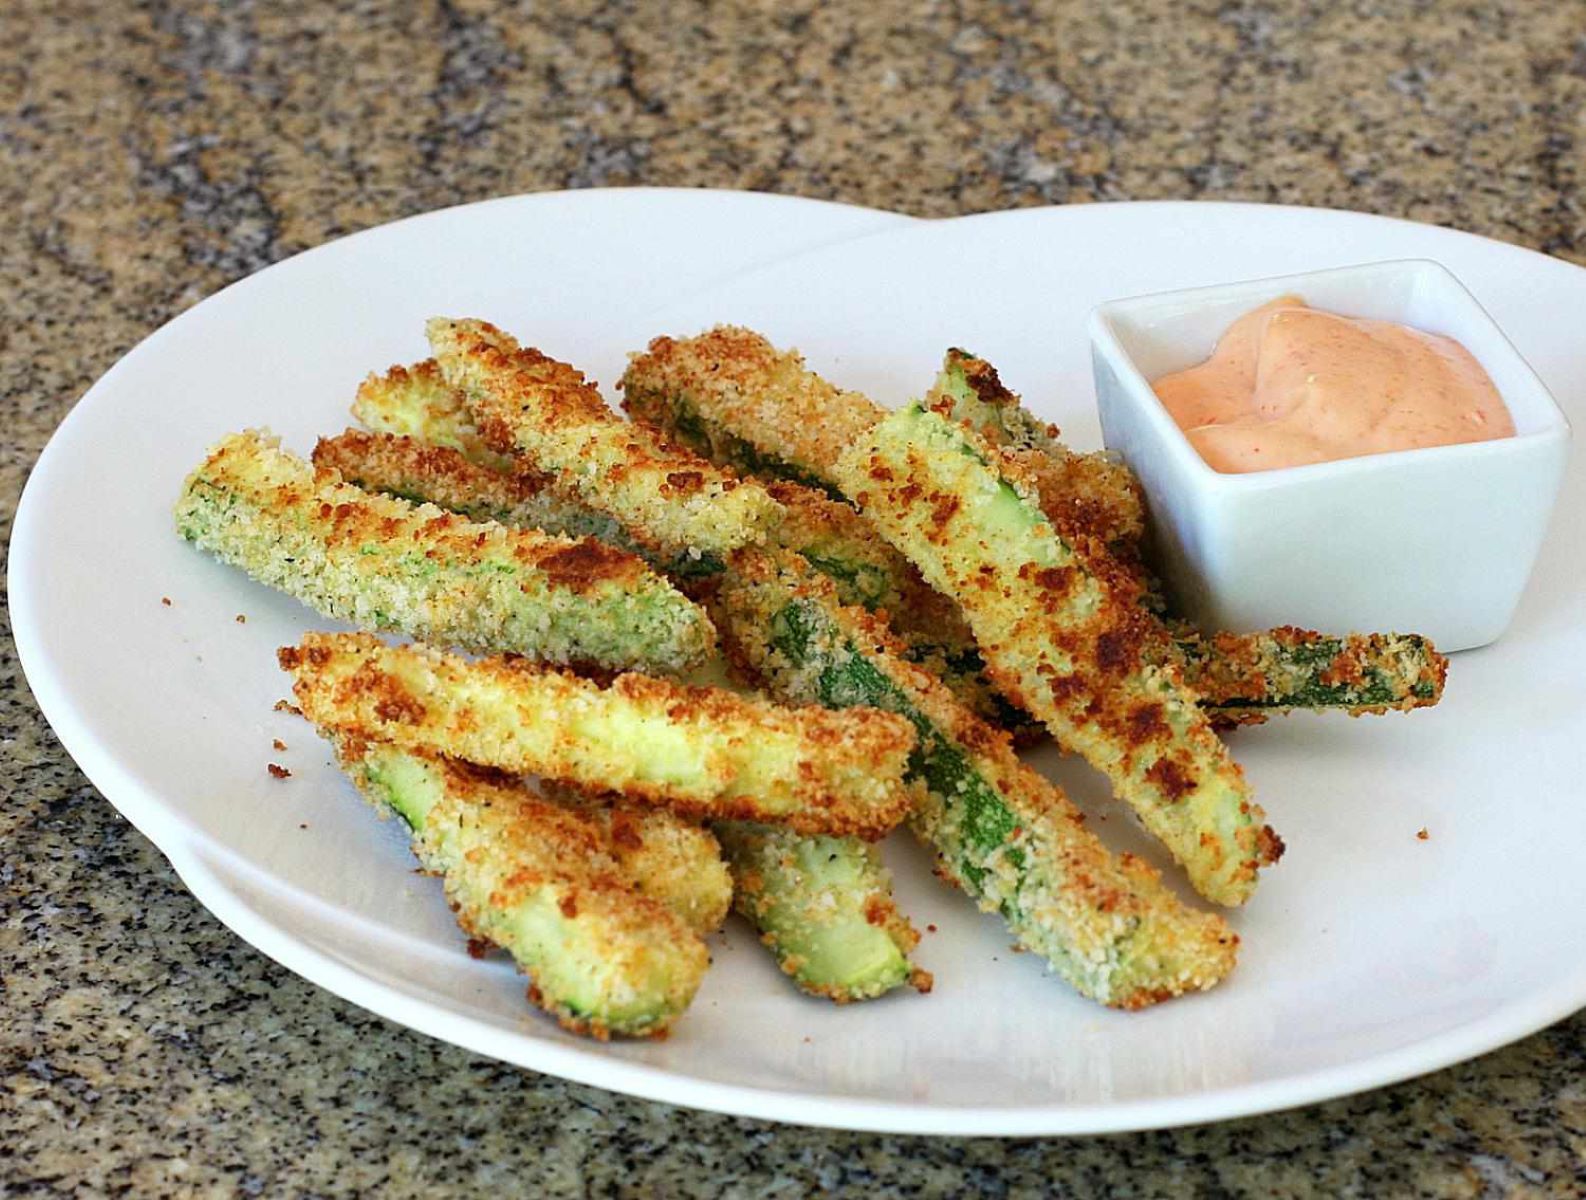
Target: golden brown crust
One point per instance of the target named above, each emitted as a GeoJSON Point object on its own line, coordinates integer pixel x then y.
{"type": "Point", "coordinates": [816, 771]}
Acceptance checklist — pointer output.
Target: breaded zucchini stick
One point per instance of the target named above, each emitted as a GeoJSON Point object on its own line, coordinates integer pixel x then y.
{"type": "Point", "coordinates": [539, 881]}
{"type": "Point", "coordinates": [383, 563]}
{"type": "Point", "coordinates": [1062, 639]}
{"type": "Point", "coordinates": [524, 402]}
{"type": "Point", "coordinates": [1242, 678]}
{"type": "Point", "coordinates": [1083, 494]}
{"type": "Point", "coordinates": [702, 752]}
{"type": "Point", "coordinates": [734, 397]}
{"type": "Point", "coordinates": [1001, 831]}
{"type": "Point", "coordinates": [422, 471]}
{"type": "Point", "coordinates": [824, 908]}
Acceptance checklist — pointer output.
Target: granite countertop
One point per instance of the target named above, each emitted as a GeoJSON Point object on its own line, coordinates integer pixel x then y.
{"type": "Point", "coordinates": [153, 154]}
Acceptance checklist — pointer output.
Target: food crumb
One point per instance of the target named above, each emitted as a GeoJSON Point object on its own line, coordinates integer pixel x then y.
{"type": "Point", "coordinates": [1423, 834]}
{"type": "Point", "coordinates": [242, 618]}
{"type": "Point", "coordinates": [807, 1040]}
{"type": "Point", "coordinates": [277, 770]}
{"type": "Point", "coordinates": [278, 743]}
{"type": "Point", "coordinates": [302, 824]}
{"type": "Point", "coordinates": [478, 947]}
{"type": "Point", "coordinates": [165, 600]}
{"type": "Point", "coordinates": [930, 929]}
{"type": "Point", "coordinates": [287, 706]}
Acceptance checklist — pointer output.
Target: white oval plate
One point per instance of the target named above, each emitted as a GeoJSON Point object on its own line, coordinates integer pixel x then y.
{"type": "Point", "coordinates": [1369, 955]}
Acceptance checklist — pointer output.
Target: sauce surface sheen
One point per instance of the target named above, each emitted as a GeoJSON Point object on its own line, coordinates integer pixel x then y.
{"type": "Point", "coordinates": [1289, 385]}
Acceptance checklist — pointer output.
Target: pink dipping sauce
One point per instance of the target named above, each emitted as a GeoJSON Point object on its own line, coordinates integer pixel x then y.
{"type": "Point", "coordinates": [1290, 385]}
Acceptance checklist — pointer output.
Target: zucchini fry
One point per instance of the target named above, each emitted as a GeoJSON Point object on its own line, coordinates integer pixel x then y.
{"type": "Point", "coordinates": [1001, 831]}
{"type": "Point", "coordinates": [382, 563]}
{"type": "Point", "coordinates": [1242, 678]}
{"type": "Point", "coordinates": [421, 471]}
{"type": "Point", "coordinates": [524, 402]}
{"type": "Point", "coordinates": [539, 881]}
{"type": "Point", "coordinates": [824, 908]}
{"type": "Point", "coordinates": [701, 752]}
{"type": "Point", "coordinates": [1063, 639]}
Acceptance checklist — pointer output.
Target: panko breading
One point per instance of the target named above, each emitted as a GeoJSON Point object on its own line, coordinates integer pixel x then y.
{"type": "Point", "coordinates": [527, 403]}
{"type": "Point", "coordinates": [383, 563]}
{"type": "Point", "coordinates": [1062, 640]}
{"type": "Point", "coordinates": [659, 853]}
{"type": "Point", "coordinates": [540, 881]}
{"type": "Point", "coordinates": [1011, 839]}
{"type": "Point", "coordinates": [701, 752]}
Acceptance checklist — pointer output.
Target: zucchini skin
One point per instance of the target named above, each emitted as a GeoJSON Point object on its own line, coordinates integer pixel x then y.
{"type": "Point", "coordinates": [525, 402]}
{"type": "Point", "coordinates": [382, 563]}
{"type": "Point", "coordinates": [1064, 637]}
{"type": "Point", "coordinates": [701, 752]}
{"type": "Point", "coordinates": [1001, 832]}
{"type": "Point", "coordinates": [539, 881]}
{"type": "Point", "coordinates": [823, 906]}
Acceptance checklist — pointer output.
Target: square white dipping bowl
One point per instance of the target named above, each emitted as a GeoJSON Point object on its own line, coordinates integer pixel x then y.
{"type": "Point", "coordinates": [1437, 541]}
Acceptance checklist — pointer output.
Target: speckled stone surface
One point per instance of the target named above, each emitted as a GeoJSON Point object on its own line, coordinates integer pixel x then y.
{"type": "Point", "coordinates": [150, 154]}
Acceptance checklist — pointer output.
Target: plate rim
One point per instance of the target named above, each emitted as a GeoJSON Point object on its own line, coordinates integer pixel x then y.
{"type": "Point", "coordinates": [185, 848]}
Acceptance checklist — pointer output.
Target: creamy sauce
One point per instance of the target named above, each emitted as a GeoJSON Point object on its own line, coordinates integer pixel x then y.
{"type": "Point", "coordinates": [1290, 385]}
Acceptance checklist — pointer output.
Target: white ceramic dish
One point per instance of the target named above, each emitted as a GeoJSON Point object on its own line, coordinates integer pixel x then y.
{"type": "Point", "coordinates": [1440, 541]}
{"type": "Point", "coordinates": [1369, 955]}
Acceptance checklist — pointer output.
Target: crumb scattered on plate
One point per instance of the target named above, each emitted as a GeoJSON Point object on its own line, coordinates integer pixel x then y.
{"type": "Point", "coordinates": [277, 770]}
